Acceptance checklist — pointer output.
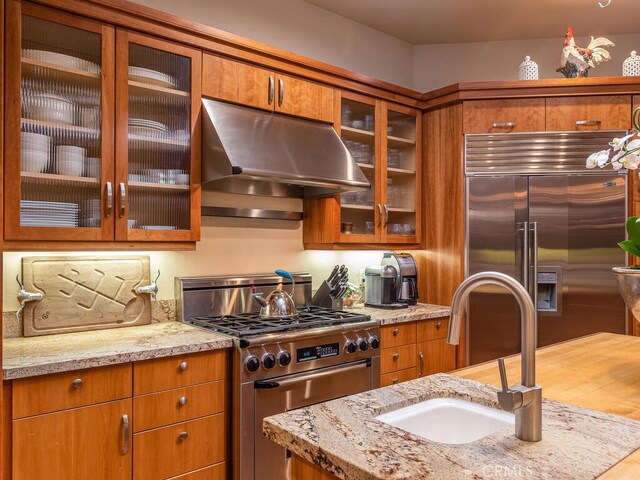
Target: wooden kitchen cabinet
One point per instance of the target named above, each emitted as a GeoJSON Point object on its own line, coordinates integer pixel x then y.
{"type": "Point", "coordinates": [606, 112]}
{"type": "Point", "coordinates": [102, 132]}
{"type": "Point", "coordinates": [245, 84]}
{"type": "Point", "coordinates": [88, 442]}
{"type": "Point", "coordinates": [385, 141]}
{"type": "Point", "coordinates": [504, 115]}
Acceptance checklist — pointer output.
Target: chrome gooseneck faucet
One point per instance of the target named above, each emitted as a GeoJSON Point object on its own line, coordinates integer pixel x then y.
{"type": "Point", "coordinates": [525, 398]}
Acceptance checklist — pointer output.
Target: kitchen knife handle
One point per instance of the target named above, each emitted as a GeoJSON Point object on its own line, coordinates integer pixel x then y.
{"type": "Point", "coordinates": [125, 434]}
{"type": "Point", "coordinates": [123, 199]}
{"type": "Point", "coordinates": [504, 125]}
{"type": "Point", "coordinates": [421, 372]}
{"type": "Point", "coordinates": [109, 200]}
{"type": "Point", "coordinates": [272, 89]}
{"type": "Point", "coordinates": [280, 92]}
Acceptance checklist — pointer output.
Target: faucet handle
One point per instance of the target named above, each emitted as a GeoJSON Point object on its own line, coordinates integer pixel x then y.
{"type": "Point", "coordinates": [510, 399]}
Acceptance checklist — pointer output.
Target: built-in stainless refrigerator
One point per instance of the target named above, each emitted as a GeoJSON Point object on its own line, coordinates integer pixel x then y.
{"type": "Point", "coordinates": [534, 212]}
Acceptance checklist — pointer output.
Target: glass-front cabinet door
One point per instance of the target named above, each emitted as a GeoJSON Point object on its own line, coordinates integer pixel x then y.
{"type": "Point", "coordinates": [360, 211]}
{"type": "Point", "coordinates": [59, 138]}
{"type": "Point", "coordinates": [157, 195]}
{"type": "Point", "coordinates": [401, 220]}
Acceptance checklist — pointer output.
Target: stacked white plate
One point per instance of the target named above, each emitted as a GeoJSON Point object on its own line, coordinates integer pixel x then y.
{"type": "Point", "coordinates": [48, 214]}
{"type": "Point", "coordinates": [146, 75]}
{"type": "Point", "coordinates": [49, 107]}
{"type": "Point", "coordinates": [141, 126]}
{"type": "Point", "coordinates": [158, 227]}
{"type": "Point", "coordinates": [34, 151]}
{"type": "Point", "coordinates": [60, 59]}
{"type": "Point", "coordinates": [70, 160]}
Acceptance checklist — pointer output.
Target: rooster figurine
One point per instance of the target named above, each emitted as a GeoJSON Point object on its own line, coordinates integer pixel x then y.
{"type": "Point", "coordinates": [576, 61]}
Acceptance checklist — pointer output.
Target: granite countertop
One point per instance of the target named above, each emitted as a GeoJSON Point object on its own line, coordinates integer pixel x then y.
{"type": "Point", "coordinates": [421, 311]}
{"type": "Point", "coordinates": [344, 438]}
{"type": "Point", "coordinates": [31, 356]}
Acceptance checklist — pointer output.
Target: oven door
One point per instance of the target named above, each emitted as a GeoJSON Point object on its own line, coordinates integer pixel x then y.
{"type": "Point", "coordinates": [281, 394]}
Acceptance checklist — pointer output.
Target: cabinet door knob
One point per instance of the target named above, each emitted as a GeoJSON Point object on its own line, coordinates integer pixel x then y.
{"type": "Point", "coordinates": [438, 325]}
{"type": "Point", "coordinates": [183, 366]}
{"type": "Point", "coordinates": [77, 383]}
{"type": "Point", "coordinates": [421, 356]}
{"type": "Point", "coordinates": [109, 210]}
{"type": "Point", "coordinates": [280, 92]}
{"type": "Point", "coordinates": [271, 89]}
{"type": "Point", "coordinates": [395, 380]}
{"type": "Point", "coordinates": [396, 331]}
{"type": "Point", "coordinates": [396, 356]}
{"type": "Point", "coordinates": [183, 436]}
{"type": "Point", "coordinates": [125, 435]}
{"type": "Point", "coordinates": [182, 401]}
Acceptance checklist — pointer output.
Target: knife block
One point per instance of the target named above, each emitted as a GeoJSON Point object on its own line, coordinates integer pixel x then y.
{"type": "Point", "coordinates": [323, 298]}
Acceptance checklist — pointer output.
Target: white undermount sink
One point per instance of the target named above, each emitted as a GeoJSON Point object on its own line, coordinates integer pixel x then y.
{"type": "Point", "coordinates": [449, 420]}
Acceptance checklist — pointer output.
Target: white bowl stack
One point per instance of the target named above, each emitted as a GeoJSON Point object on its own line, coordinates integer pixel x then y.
{"type": "Point", "coordinates": [34, 152]}
{"type": "Point", "coordinates": [70, 160]}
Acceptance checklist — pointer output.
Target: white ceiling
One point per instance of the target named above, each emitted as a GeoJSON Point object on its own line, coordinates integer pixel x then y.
{"type": "Point", "coordinates": [451, 21]}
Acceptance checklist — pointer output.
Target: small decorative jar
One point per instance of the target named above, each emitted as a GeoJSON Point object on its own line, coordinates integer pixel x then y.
{"type": "Point", "coordinates": [631, 66]}
{"type": "Point", "coordinates": [528, 69]}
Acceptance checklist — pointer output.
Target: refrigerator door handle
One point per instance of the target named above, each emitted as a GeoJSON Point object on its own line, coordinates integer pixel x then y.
{"type": "Point", "coordinates": [534, 273]}
{"type": "Point", "coordinates": [525, 256]}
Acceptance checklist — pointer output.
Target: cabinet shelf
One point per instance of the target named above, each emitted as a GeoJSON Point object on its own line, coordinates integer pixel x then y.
{"type": "Point", "coordinates": [153, 91]}
{"type": "Point", "coordinates": [401, 210]}
{"type": "Point", "coordinates": [59, 126]}
{"type": "Point", "coordinates": [55, 179]}
{"type": "Point", "coordinates": [162, 141]}
{"type": "Point", "coordinates": [400, 171]}
{"type": "Point", "coordinates": [68, 74]}
{"type": "Point", "coordinates": [357, 134]}
{"type": "Point", "coordinates": [159, 186]}
{"type": "Point", "coordinates": [351, 206]}
{"type": "Point", "coordinates": [366, 166]}
{"type": "Point", "coordinates": [399, 142]}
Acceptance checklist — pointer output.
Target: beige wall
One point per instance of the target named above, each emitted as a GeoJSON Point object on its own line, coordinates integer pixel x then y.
{"type": "Point", "coordinates": [435, 66]}
{"type": "Point", "coordinates": [305, 29]}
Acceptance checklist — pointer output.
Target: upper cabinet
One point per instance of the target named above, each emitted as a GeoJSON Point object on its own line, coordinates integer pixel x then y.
{"type": "Point", "coordinates": [98, 149]}
{"type": "Point", "coordinates": [503, 116]}
{"type": "Point", "coordinates": [245, 84]}
{"type": "Point", "coordinates": [384, 140]}
{"type": "Point", "coordinates": [607, 112]}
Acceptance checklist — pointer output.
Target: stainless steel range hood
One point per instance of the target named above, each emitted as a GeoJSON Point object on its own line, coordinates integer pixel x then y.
{"type": "Point", "coordinates": [245, 150]}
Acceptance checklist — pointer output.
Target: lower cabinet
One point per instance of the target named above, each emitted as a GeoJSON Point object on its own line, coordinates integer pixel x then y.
{"type": "Point", "coordinates": [415, 349]}
{"type": "Point", "coordinates": [150, 420]}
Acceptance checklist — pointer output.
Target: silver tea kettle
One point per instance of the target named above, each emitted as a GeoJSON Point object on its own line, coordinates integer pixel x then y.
{"type": "Point", "coordinates": [278, 304]}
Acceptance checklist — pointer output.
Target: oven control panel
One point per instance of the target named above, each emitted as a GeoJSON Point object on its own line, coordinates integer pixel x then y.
{"type": "Point", "coordinates": [315, 352]}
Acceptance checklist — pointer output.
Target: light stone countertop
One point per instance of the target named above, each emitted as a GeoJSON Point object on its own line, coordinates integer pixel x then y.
{"type": "Point", "coordinates": [31, 356]}
{"type": "Point", "coordinates": [421, 311]}
{"type": "Point", "coordinates": [344, 438]}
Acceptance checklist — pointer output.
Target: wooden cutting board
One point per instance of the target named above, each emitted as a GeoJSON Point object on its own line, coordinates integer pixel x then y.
{"type": "Point", "coordinates": [85, 293]}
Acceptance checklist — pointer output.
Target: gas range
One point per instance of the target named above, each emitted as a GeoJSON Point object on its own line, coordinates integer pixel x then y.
{"type": "Point", "coordinates": [280, 364]}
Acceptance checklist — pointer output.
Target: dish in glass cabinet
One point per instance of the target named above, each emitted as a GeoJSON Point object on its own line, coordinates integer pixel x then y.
{"type": "Point", "coordinates": [60, 59]}
{"type": "Point", "coordinates": [152, 77]}
{"type": "Point", "coordinates": [159, 227]}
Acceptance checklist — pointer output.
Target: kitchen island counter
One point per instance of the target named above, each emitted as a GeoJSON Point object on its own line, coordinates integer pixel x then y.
{"type": "Point", "coordinates": [31, 356]}
{"type": "Point", "coordinates": [342, 439]}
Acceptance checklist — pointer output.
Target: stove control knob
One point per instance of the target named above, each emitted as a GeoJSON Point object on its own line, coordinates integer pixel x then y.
{"type": "Point", "coordinates": [269, 360]}
{"type": "Point", "coordinates": [350, 347]}
{"type": "Point", "coordinates": [284, 358]}
{"type": "Point", "coordinates": [252, 363]}
{"type": "Point", "coordinates": [374, 342]}
{"type": "Point", "coordinates": [363, 344]}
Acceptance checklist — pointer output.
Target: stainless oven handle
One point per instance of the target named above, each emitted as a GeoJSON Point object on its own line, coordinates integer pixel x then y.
{"type": "Point", "coordinates": [314, 375]}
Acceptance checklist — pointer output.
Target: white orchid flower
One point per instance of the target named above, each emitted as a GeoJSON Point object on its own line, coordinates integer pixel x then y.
{"type": "Point", "coordinates": [602, 158]}
{"type": "Point", "coordinates": [616, 165]}
{"type": "Point", "coordinates": [618, 143]}
{"type": "Point", "coordinates": [632, 161]}
{"type": "Point", "coordinates": [592, 161]}
{"type": "Point", "coordinates": [633, 144]}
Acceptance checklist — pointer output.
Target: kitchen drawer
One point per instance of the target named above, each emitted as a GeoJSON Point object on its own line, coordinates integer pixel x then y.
{"type": "Point", "coordinates": [503, 116]}
{"type": "Point", "coordinates": [609, 112]}
{"type": "Point", "coordinates": [178, 405]}
{"type": "Point", "coordinates": [178, 371]}
{"type": "Point", "coordinates": [439, 356]}
{"type": "Point", "coordinates": [61, 391]}
{"type": "Point", "coordinates": [397, 334]}
{"type": "Point", "coordinates": [398, 377]}
{"type": "Point", "coordinates": [177, 449]}
{"type": "Point", "coordinates": [212, 472]}
{"type": "Point", "coordinates": [397, 358]}
{"type": "Point", "coordinates": [432, 329]}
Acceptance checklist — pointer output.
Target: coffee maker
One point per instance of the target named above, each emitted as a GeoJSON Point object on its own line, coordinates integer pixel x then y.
{"type": "Point", "coordinates": [406, 277]}
{"type": "Point", "coordinates": [380, 287]}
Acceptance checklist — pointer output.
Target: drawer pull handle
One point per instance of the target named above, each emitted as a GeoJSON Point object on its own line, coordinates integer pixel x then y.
{"type": "Point", "coordinates": [421, 372]}
{"type": "Point", "coordinates": [125, 434]}
{"type": "Point", "coordinates": [183, 366]}
{"type": "Point", "coordinates": [183, 436]}
{"type": "Point", "coordinates": [395, 380]}
{"type": "Point", "coordinates": [182, 401]}
{"type": "Point", "coordinates": [438, 325]}
{"type": "Point", "coordinates": [581, 123]}
{"type": "Point", "coordinates": [77, 383]}
{"type": "Point", "coordinates": [396, 356]}
{"type": "Point", "coordinates": [504, 125]}
{"type": "Point", "coordinates": [396, 331]}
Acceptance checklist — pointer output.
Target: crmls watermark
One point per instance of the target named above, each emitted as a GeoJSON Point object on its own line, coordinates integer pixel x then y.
{"type": "Point", "coordinates": [507, 471]}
